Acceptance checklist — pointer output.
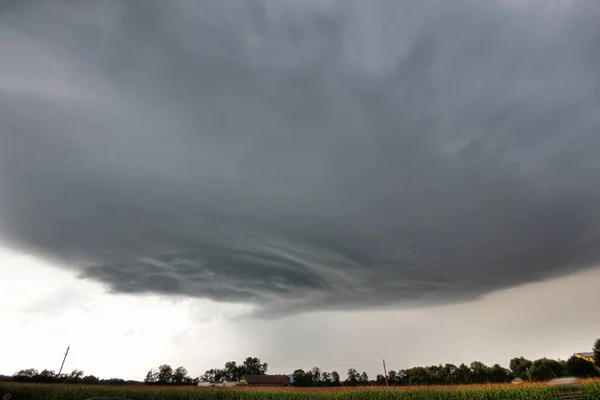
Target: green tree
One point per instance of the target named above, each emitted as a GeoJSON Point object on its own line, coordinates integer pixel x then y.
{"type": "Point", "coordinates": [580, 367]}
{"type": "Point", "coordinates": [326, 379]}
{"type": "Point", "coordinates": [519, 367]}
{"type": "Point", "coordinates": [480, 372]}
{"type": "Point", "coordinates": [464, 374]}
{"type": "Point", "coordinates": [302, 378]}
{"type": "Point", "coordinates": [402, 377]}
{"type": "Point", "coordinates": [90, 380]}
{"type": "Point", "coordinates": [253, 366]}
{"type": "Point", "coordinates": [364, 378]}
{"type": "Point", "coordinates": [451, 376]}
{"type": "Point", "coordinates": [213, 375]}
{"type": "Point", "coordinates": [335, 378]}
{"type": "Point", "coordinates": [47, 376]}
{"type": "Point", "coordinates": [545, 369]}
{"type": "Point", "coordinates": [74, 377]}
{"type": "Point", "coordinates": [597, 353]}
{"type": "Point", "coordinates": [76, 374]}
{"type": "Point", "coordinates": [316, 376]}
{"type": "Point", "coordinates": [434, 374]}
{"type": "Point", "coordinates": [27, 373]}
{"type": "Point", "coordinates": [232, 371]}
{"type": "Point", "coordinates": [151, 377]}
{"type": "Point", "coordinates": [165, 374]}
{"type": "Point", "coordinates": [417, 376]}
{"type": "Point", "coordinates": [392, 378]}
{"type": "Point", "coordinates": [180, 376]}
{"type": "Point", "coordinates": [499, 374]}
{"type": "Point", "coordinates": [353, 377]}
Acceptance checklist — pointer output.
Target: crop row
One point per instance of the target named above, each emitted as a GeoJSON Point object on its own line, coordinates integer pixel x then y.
{"type": "Point", "coordinates": [587, 391]}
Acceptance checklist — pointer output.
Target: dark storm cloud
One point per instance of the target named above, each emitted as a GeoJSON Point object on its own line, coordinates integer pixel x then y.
{"type": "Point", "coordinates": [299, 155]}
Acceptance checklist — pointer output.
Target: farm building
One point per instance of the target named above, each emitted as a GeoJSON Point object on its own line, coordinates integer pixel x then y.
{"type": "Point", "coordinates": [568, 380]}
{"type": "Point", "coordinates": [218, 384]}
{"type": "Point", "coordinates": [267, 380]}
{"type": "Point", "coordinates": [586, 356]}
{"type": "Point", "coordinates": [517, 381]}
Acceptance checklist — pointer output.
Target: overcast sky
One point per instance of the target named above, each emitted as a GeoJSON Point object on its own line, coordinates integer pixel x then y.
{"type": "Point", "coordinates": [312, 182]}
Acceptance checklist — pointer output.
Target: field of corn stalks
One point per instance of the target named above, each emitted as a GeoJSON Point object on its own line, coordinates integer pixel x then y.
{"type": "Point", "coordinates": [588, 390]}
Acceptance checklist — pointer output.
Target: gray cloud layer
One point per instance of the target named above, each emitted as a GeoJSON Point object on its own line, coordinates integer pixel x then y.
{"type": "Point", "coordinates": [299, 155]}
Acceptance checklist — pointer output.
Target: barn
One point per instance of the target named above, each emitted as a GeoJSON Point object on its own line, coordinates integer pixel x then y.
{"type": "Point", "coordinates": [267, 380]}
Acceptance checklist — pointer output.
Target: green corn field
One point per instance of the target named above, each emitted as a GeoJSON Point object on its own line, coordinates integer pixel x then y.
{"type": "Point", "coordinates": [589, 390]}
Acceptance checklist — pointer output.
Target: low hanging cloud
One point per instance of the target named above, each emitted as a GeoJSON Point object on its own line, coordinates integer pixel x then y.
{"type": "Point", "coordinates": [301, 155]}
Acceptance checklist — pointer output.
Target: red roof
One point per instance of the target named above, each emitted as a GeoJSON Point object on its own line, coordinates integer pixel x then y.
{"type": "Point", "coordinates": [267, 380]}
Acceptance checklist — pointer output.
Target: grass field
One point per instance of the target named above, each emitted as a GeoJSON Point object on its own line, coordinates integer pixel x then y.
{"type": "Point", "coordinates": [590, 390]}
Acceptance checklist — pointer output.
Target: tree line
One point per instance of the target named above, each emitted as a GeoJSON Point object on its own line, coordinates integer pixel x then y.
{"type": "Point", "coordinates": [543, 369]}
{"type": "Point", "coordinates": [32, 375]}
{"type": "Point", "coordinates": [448, 374]}
{"type": "Point", "coordinates": [232, 371]}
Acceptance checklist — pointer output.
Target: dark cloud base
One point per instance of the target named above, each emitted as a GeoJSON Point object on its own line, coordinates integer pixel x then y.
{"type": "Point", "coordinates": [302, 155]}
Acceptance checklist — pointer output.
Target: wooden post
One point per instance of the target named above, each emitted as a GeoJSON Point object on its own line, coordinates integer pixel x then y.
{"type": "Point", "coordinates": [63, 362]}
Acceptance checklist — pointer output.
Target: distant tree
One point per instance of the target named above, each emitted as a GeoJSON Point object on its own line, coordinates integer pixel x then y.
{"type": "Point", "coordinates": [364, 379]}
{"type": "Point", "coordinates": [113, 381]}
{"type": "Point", "coordinates": [165, 374]}
{"type": "Point", "coordinates": [498, 374]}
{"type": "Point", "coordinates": [151, 377]}
{"type": "Point", "coordinates": [316, 376]}
{"type": "Point", "coordinates": [597, 353]}
{"type": "Point", "coordinates": [214, 375]}
{"type": "Point", "coordinates": [253, 366]}
{"type": "Point", "coordinates": [452, 374]}
{"type": "Point", "coordinates": [545, 369]}
{"type": "Point", "coordinates": [479, 372]}
{"type": "Point", "coordinates": [90, 380]}
{"type": "Point", "coordinates": [310, 379]}
{"type": "Point", "coordinates": [76, 373]}
{"type": "Point", "coordinates": [392, 378]}
{"type": "Point", "coordinates": [29, 372]}
{"type": "Point", "coordinates": [434, 375]}
{"type": "Point", "coordinates": [418, 376]}
{"type": "Point", "coordinates": [580, 367]}
{"type": "Point", "coordinates": [519, 367]}
{"type": "Point", "coordinates": [26, 375]}
{"type": "Point", "coordinates": [402, 377]}
{"type": "Point", "coordinates": [180, 376]}
{"type": "Point", "coordinates": [47, 376]}
{"type": "Point", "coordinates": [74, 377]}
{"type": "Point", "coordinates": [302, 378]}
{"type": "Point", "coordinates": [233, 372]}
{"type": "Point", "coordinates": [353, 377]}
{"type": "Point", "coordinates": [326, 379]}
{"type": "Point", "coordinates": [464, 374]}
{"type": "Point", "coordinates": [335, 378]}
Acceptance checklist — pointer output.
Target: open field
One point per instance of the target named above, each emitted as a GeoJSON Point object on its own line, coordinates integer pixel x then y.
{"type": "Point", "coordinates": [590, 390]}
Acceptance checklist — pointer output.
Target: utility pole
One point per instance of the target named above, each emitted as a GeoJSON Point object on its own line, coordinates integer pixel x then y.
{"type": "Point", "coordinates": [63, 362]}
{"type": "Point", "coordinates": [385, 374]}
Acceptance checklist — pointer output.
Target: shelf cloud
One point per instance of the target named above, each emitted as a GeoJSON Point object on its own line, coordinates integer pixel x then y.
{"type": "Point", "coordinates": [302, 155]}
